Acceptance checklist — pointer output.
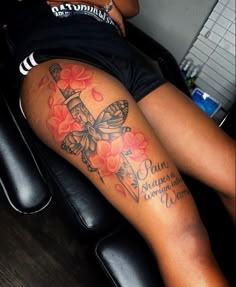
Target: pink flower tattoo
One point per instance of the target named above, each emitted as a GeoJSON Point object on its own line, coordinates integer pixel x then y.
{"type": "Point", "coordinates": [75, 77]}
{"type": "Point", "coordinates": [135, 145]}
{"type": "Point", "coordinates": [108, 157]}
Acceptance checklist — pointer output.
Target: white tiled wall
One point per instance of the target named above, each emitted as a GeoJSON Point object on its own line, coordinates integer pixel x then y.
{"type": "Point", "coordinates": [214, 50]}
{"type": "Point", "coordinates": [173, 23]}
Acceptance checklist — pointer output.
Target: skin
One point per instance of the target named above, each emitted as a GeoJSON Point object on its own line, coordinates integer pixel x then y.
{"type": "Point", "coordinates": [133, 153]}
{"type": "Point", "coordinates": [210, 153]}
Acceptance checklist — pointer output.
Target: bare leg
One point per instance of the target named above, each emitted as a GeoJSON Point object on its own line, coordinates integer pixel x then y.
{"type": "Point", "coordinates": [90, 119]}
{"type": "Point", "coordinates": [198, 147]}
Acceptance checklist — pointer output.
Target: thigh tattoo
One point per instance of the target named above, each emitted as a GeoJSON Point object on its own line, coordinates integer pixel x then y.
{"type": "Point", "coordinates": [105, 145]}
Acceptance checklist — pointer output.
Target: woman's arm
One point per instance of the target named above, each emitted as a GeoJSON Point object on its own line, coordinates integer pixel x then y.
{"type": "Point", "coordinates": [128, 8]}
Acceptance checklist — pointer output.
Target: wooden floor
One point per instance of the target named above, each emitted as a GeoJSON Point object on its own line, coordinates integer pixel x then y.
{"type": "Point", "coordinates": [40, 251]}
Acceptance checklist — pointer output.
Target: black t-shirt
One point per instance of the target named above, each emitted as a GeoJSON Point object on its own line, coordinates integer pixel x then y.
{"type": "Point", "coordinates": [38, 26]}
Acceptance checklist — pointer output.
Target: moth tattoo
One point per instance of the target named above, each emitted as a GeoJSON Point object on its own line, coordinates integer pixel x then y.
{"type": "Point", "coordinates": [108, 126]}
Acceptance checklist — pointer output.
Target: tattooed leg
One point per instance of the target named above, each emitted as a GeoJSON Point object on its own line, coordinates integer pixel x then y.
{"type": "Point", "coordinates": [196, 144]}
{"type": "Point", "coordinates": [90, 119]}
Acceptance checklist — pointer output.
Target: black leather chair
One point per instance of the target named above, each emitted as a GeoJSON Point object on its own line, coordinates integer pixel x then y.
{"type": "Point", "coordinates": [32, 175]}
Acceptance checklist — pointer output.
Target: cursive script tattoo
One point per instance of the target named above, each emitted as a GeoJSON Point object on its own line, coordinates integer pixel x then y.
{"type": "Point", "coordinates": [162, 186]}
{"type": "Point", "coordinates": [172, 197]}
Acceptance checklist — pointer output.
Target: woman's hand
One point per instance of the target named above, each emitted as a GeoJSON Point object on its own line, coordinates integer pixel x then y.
{"type": "Point", "coordinates": [117, 17]}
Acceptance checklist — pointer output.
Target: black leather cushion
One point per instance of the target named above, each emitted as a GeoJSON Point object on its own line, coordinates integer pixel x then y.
{"type": "Point", "coordinates": [20, 177]}
{"type": "Point", "coordinates": [82, 204]}
{"type": "Point", "coordinates": [127, 261]}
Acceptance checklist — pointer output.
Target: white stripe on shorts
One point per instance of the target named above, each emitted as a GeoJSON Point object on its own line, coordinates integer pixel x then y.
{"type": "Point", "coordinates": [28, 63]}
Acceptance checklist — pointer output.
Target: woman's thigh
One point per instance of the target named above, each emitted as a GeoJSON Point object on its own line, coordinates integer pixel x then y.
{"type": "Point", "coordinates": [90, 119]}
{"type": "Point", "coordinates": [195, 143]}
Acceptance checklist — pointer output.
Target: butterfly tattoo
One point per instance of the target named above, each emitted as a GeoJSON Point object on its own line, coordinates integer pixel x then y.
{"type": "Point", "coordinates": [108, 125]}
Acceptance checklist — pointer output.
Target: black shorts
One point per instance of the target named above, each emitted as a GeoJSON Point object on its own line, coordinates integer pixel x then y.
{"type": "Point", "coordinates": [139, 75]}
